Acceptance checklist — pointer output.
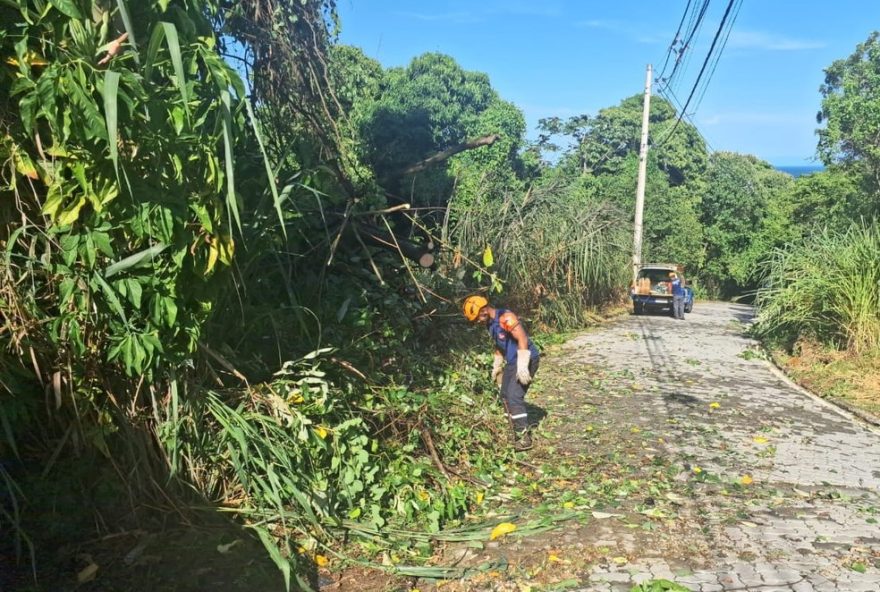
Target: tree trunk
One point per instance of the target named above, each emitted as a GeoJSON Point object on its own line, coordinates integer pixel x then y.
{"type": "Point", "coordinates": [441, 156]}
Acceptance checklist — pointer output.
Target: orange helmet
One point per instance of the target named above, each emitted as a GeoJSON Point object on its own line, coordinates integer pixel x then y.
{"type": "Point", "coordinates": [472, 306]}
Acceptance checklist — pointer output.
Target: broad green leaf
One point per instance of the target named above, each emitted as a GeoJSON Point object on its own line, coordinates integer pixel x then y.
{"type": "Point", "coordinates": [70, 214]}
{"type": "Point", "coordinates": [67, 7]}
{"type": "Point", "coordinates": [83, 110]}
{"type": "Point", "coordinates": [87, 248]}
{"type": "Point", "coordinates": [112, 298]}
{"type": "Point", "coordinates": [134, 292]}
{"type": "Point", "coordinates": [23, 163]}
{"type": "Point", "coordinates": [133, 260]}
{"type": "Point", "coordinates": [170, 307]}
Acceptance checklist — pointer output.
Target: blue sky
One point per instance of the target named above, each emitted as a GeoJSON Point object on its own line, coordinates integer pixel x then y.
{"type": "Point", "coordinates": [567, 57]}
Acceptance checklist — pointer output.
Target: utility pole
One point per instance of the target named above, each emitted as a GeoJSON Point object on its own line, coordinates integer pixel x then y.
{"type": "Point", "coordinates": [643, 170]}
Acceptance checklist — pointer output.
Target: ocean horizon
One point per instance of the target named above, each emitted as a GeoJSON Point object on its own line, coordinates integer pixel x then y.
{"type": "Point", "coordinates": [799, 170]}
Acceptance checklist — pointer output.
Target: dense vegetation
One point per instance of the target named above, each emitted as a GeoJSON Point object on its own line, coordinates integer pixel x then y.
{"type": "Point", "coordinates": [233, 251]}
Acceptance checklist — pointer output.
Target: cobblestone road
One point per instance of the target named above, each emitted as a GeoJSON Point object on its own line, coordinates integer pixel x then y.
{"type": "Point", "coordinates": [727, 412]}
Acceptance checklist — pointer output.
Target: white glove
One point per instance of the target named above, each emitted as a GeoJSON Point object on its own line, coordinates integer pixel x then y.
{"type": "Point", "coordinates": [522, 366]}
{"type": "Point", "coordinates": [497, 367]}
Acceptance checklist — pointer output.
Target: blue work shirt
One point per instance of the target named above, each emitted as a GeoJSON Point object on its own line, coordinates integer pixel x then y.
{"type": "Point", "coordinates": [500, 329]}
{"type": "Point", "coordinates": [677, 288]}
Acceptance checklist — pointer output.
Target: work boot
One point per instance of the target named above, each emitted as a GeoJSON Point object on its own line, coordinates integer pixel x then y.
{"type": "Point", "coordinates": [523, 441]}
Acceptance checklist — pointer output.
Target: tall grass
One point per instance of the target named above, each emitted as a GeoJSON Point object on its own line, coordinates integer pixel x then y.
{"type": "Point", "coordinates": [560, 252]}
{"type": "Point", "coordinates": [825, 288]}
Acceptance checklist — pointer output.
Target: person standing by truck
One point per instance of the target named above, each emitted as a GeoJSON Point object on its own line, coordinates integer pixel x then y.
{"type": "Point", "coordinates": [677, 296]}
{"type": "Point", "coordinates": [513, 346]}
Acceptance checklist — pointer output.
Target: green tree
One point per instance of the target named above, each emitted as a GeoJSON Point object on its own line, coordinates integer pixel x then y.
{"type": "Point", "coordinates": [851, 114]}
{"type": "Point", "coordinates": [851, 108]}
{"type": "Point", "coordinates": [604, 152]}
{"type": "Point", "coordinates": [831, 198]}
{"type": "Point", "coordinates": [734, 212]}
{"type": "Point", "coordinates": [430, 106]}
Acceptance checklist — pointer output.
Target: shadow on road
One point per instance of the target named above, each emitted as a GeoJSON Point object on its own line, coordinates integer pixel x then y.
{"type": "Point", "coordinates": [681, 399]}
{"type": "Point", "coordinates": [536, 414]}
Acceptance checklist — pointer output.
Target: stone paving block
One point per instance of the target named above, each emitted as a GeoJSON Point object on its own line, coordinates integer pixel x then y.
{"type": "Point", "coordinates": [823, 465]}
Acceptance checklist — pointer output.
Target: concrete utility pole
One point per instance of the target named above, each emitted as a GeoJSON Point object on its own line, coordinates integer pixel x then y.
{"type": "Point", "coordinates": [643, 169]}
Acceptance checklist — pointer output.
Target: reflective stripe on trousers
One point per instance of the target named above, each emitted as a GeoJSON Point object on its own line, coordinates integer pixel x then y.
{"type": "Point", "coordinates": [514, 394]}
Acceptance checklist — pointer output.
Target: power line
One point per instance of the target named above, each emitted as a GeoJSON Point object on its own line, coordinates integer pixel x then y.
{"type": "Point", "coordinates": [709, 55]}
{"type": "Point", "coordinates": [670, 96]}
{"type": "Point", "coordinates": [718, 55]}
{"type": "Point", "coordinates": [671, 49]}
{"type": "Point", "coordinates": [694, 27]}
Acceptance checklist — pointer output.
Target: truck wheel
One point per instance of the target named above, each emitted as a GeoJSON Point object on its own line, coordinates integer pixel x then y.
{"type": "Point", "coordinates": [638, 308]}
{"type": "Point", "coordinates": [689, 307]}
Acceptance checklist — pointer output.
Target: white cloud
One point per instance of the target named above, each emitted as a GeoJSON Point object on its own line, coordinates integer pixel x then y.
{"type": "Point", "coordinates": [637, 33]}
{"type": "Point", "coordinates": [753, 118]}
{"type": "Point", "coordinates": [529, 8]}
{"type": "Point", "coordinates": [769, 42]}
{"type": "Point", "coordinates": [459, 17]}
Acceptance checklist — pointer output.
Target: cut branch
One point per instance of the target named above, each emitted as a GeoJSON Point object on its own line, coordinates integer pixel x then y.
{"type": "Point", "coordinates": [382, 238]}
{"type": "Point", "coordinates": [452, 151]}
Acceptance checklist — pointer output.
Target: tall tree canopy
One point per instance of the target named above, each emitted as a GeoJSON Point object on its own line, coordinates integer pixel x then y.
{"type": "Point", "coordinates": [851, 110]}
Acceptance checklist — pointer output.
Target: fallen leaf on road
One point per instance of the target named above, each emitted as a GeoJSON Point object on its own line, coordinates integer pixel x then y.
{"type": "Point", "coordinates": [760, 440]}
{"type": "Point", "coordinates": [619, 560]}
{"type": "Point", "coordinates": [746, 480]}
{"type": "Point", "coordinates": [87, 574]}
{"type": "Point", "coordinates": [714, 405]}
{"type": "Point", "coordinates": [603, 515]}
{"type": "Point", "coordinates": [675, 499]}
{"type": "Point", "coordinates": [224, 549]}
{"type": "Point", "coordinates": [501, 530]}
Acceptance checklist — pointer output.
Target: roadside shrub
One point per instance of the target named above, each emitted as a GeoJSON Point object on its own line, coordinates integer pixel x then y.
{"type": "Point", "coordinates": [559, 251]}
{"type": "Point", "coordinates": [826, 288]}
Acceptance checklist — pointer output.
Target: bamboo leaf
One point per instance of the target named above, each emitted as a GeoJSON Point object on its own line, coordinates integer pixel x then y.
{"type": "Point", "coordinates": [176, 61]}
{"type": "Point", "coordinates": [133, 260]}
{"type": "Point", "coordinates": [111, 88]}
{"type": "Point", "coordinates": [153, 49]}
{"type": "Point", "coordinates": [231, 203]}
{"type": "Point", "coordinates": [126, 21]}
{"type": "Point", "coordinates": [275, 553]}
{"type": "Point", "coordinates": [269, 173]}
